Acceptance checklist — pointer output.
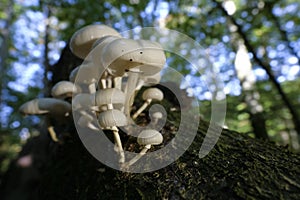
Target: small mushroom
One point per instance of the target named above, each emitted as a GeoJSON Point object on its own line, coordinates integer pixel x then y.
{"type": "Point", "coordinates": [63, 90]}
{"type": "Point", "coordinates": [82, 40]}
{"type": "Point", "coordinates": [146, 138]}
{"type": "Point", "coordinates": [55, 108]}
{"type": "Point", "coordinates": [145, 81]}
{"type": "Point", "coordinates": [83, 102]}
{"type": "Point", "coordinates": [110, 97]}
{"type": "Point", "coordinates": [148, 96]}
{"type": "Point", "coordinates": [148, 80]}
{"type": "Point", "coordinates": [86, 120]}
{"type": "Point", "coordinates": [88, 77]}
{"type": "Point", "coordinates": [157, 116]}
{"type": "Point", "coordinates": [73, 74]}
{"type": "Point", "coordinates": [110, 120]}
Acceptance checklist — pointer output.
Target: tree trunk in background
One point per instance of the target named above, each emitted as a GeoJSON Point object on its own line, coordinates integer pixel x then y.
{"type": "Point", "coordinates": [4, 47]}
{"type": "Point", "coordinates": [251, 97]}
{"type": "Point", "coordinates": [46, 62]}
{"type": "Point", "coordinates": [265, 66]}
{"type": "Point", "coordinates": [238, 167]}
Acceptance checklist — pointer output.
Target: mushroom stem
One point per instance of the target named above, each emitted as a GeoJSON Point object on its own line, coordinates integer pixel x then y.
{"type": "Point", "coordinates": [110, 106]}
{"type": "Point", "coordinates": [119, 144]}
{"type": "Point", "coordinates": [141, 109]}
{"type": "Point", "coordinates": [109, 82]}
{"type": "Point", "coordinates": [131, 101]}
{"type": "Point", "coordinates": [129, 90]}
{"type": "Point", "coordinates": [92, 88]}
{"type": "Point", "coordinates": [86, 121]}
{"type": "Point", "coordinates": [103, 82]}
{"type": "Point", "coordinates": [52, 134]}
{"type": "Point", "coordinates": [155, 120]}
{"type": "Point", "coordinates": [138, 156]}
{"type": "Point", "coordinates": [118, 82]}
{"type": "Point", "coordinates": [92, 127]}
{"type": "Point", "coordinates": [139, 84]}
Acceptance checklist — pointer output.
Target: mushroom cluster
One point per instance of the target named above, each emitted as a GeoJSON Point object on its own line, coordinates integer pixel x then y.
{"type": "Point", "coordinates": [106, 84]}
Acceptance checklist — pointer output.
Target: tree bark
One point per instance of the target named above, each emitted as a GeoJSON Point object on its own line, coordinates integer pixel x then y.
{"type": "Point", "coordinates": [239, 167]}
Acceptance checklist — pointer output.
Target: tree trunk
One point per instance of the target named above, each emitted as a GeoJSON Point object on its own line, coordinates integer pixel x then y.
{"type": "Point", "coordinates": [251, 97]}
{"type": "Point", "coordinates": [239, 167]}
{"type": "Point", "coordinates": [5, 39]}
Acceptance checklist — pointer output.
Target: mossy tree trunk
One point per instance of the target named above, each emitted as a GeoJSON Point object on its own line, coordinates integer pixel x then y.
{"type": "Point", "coordinates": [238, 167]}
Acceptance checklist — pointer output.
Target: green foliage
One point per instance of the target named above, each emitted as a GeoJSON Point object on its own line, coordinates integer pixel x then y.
{"type": "Point", "coordinates": [278, 118]}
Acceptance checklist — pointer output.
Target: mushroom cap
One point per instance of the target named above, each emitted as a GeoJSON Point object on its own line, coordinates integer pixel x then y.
{"type": "Point", "coordinates": [84, 120]}
{"type": "Point", "coordinates": [89, 74]}
{"type": "Point", "coordinates": [148, 80]}
{"type": "Point", "coordinates": [123, 54]}
{"type": "Point", "coordinates": [157, 115]}
{"type": "Point", "coordinates": [153, 93]}
{"type": "Point", "coordinates": [54, 107]}
{"type": "Point", "coordinates": [63, 89]}
{"type": "Point", "coordinates": [151, 80]}
{"type": "Point", "coordinates": [83, 101]}
{"type": "Point", "coordinates": [73, 74]}
{"type": "Point", "coordinates": [150, 136]}
{"type": "Point", "coordinates": [110, 118]}
{"type": "Point", "coordinates": [31, 108]}
{"type": "Point", "coordinates": [82, 40]}
{"type": "Point", "coordinates": [100, 43]}
{"type": "Point", "coordinates": [98, 48]}
{"type": "Point", "coordinates": [110, 96]}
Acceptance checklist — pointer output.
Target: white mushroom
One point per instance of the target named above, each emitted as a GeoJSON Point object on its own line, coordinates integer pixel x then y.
{"type": "Point", "coordinates": [148, 96]}
{"type": "Point", "coordinates": [73, 74]}
{"type": "Point", "coordinates": [110, 120]}
{"type": "Point", "coordinates": [55, 108]}
{"type": "Point", "coordinates": [146, 138]}
{"type": "Point", "coordinates": [83, 102]}
{"type": "Point", "coordinates": [110, 98]}
{"type": "Point", "coordinates": [86, 75]}
{"type": "Point", "coordinates": [86, 120]}
{"type": "Point", "coordinates": [148, 80]}
{"type": "Point", "coordinates": [122, 54]}
{"type": "Point", "coordinates": [157, 116]}
{"type": "Point", "coordinates": [82, 40]}
{"type": "Point", "coordinates": [32, 108]}
{"type": "Point", "coordinates": [64, 89]}
{"type": "Point", "coordinates": [145, 81]}
{"type": "Point", "coordinates": [134, 57]}
{"type": "Point", "coordinates": [133, 76]}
